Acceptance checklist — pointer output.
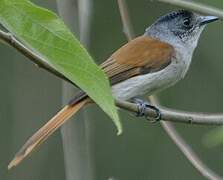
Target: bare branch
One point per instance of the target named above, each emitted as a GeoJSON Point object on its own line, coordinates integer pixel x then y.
{"type": "Point", "coordinates": [174, 115]}
{"type": "Point", "coordinates": [170, 129]}
{"type": "Point", "coordinates": [167, 114]}
{"type": "Point", "coordinates": [77, 16]}
{"type": "Point", "coordinates": [9, 39]}
{"type": "Point", "coordinates": [195, 6]}
{"type": "Point", "coordinates": [85, 18]}
{"type": "Point", "coordinates": [189, 153]}
{"type": "Point", "coordinates": [127, 26]}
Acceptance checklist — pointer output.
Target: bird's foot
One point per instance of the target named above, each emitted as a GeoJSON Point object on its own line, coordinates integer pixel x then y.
{"type": "Point", "coordinates": [142, 106]}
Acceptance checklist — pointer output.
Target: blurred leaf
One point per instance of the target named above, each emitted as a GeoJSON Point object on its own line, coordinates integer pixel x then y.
{"type": "Point", "coordinates": [44, 33]}
{"type": "Point", "coordinates": [214, 137]}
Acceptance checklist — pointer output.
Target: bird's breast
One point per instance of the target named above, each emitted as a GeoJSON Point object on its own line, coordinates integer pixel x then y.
{"type": "Point", "coordinates": [152, 82]}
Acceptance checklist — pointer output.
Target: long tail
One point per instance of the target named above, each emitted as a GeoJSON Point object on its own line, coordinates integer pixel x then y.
{"type": "Point", "coordinates": [43, 133]}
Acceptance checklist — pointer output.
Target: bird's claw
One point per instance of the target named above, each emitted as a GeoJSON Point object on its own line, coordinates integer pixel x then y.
{"type": "Point", "coordinates": [142, 106]}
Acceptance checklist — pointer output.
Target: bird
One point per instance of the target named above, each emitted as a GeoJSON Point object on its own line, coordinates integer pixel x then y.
{"type": "Point", "coordinates": [147, 64]}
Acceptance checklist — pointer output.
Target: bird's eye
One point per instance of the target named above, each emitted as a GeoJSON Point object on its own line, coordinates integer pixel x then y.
{"type": "Point", "coordinates": [186, 22]}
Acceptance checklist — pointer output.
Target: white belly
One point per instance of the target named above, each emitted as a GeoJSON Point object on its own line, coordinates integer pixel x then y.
{"type": "Point", "coordinates": [151, 82]}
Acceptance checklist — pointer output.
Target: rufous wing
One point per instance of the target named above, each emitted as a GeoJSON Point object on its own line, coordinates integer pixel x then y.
{"type": "Point", "coordinates": [140, 56]}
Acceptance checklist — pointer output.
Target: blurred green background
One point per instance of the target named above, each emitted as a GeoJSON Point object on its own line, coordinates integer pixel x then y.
{"type": "Point", "coordinates": [30, 96]}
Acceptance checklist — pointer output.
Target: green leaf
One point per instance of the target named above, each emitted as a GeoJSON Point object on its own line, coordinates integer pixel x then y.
{"type": "Point", "coordinates": [43, 32]}
{"type": "Point", "coordinates": [214, 137]}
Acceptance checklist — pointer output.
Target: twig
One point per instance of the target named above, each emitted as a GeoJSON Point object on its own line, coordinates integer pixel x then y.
{"type": "Point", "coordinates": [174, 115]}
{"type": "Point", "coordinates": [9, 39]}
{"type": "Point", "coordinates": [85, 18]}
{"type": "Point", "coordinates": [77, 16]}
{"type": "Point", "coordinates": [195, 6]}
{"type": "Point", "coordinates": [173, 134]}
{"type": "Point", "coordinates": [189, 153]}
{"type": "Point", "coordinates": [186, 149]}
{"type": "Point", "coordinates": [85, 11]}
{"type": "Point", "coordinates": [127, 26]}
{"type": "Point", "coordinates": [169, 115]}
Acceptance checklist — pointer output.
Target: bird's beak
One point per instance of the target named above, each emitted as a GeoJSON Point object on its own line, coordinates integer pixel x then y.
{"type": "Point", "coordinates": [208, 19]}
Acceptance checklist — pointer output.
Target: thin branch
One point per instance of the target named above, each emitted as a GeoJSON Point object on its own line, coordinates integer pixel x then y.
{"type": "Point", "coordinates": [186, 149]}
{"type": "Point", "coordinates": [169, 128]}
{"type": "Point", "coordinates": [85, 18]}
{"type": "Point", "coordinates": [195, 6]}
{"type": "Point", "coordinates": [189, 153]}
{"type": "Point", "coordinates": [167, 114]}
{"type": "Point", "coordinates": [174, 115]}
{"type": "Point", "coordinates": [171, 131]}
{"type": "Point", "coordinates": [127, 26]}
{"type": "Point", "coordinates": [85, 11]}
{"type": "Point", "coordinates": [76, 15]}
{"type": "Point", "coordinates": [9, 39]}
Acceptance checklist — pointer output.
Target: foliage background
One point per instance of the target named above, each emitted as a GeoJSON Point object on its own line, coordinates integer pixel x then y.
{"type": "Point", "coordinates": [30, 96]}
